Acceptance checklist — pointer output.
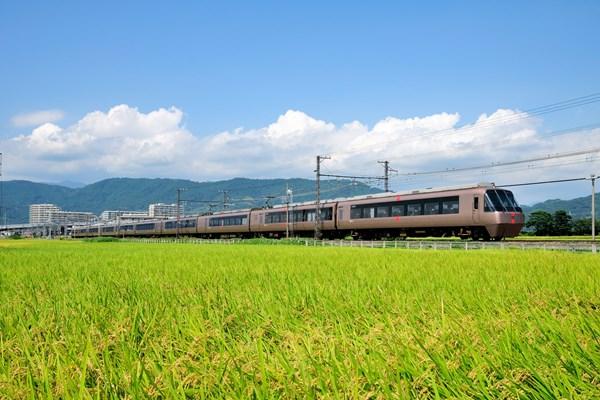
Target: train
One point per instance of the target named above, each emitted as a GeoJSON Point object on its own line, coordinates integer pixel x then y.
{"type": "Point", "coordinates": [479, 212]}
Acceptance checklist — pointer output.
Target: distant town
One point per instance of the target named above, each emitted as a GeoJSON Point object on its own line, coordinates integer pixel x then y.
{"type": "Point", "coordinates": [50, 219]}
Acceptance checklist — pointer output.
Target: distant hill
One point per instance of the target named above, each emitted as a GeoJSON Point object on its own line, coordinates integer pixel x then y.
{"type": "Point", "coordinates": [136, 194]}
{"type": "Point", "coordinates": [580, 207]}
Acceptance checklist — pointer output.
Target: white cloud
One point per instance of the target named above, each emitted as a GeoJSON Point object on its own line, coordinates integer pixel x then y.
{"type": "Point", "coordinates": [37, 118]}
{"type": "Point", "coordinates": [127, 142]}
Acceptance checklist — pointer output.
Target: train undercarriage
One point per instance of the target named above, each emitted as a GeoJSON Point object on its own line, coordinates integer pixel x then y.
{"type": "Point", "coordinates": [465, 233]}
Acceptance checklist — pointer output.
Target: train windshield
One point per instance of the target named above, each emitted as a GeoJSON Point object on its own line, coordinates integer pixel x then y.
{"type": "Point", "coordinates": [500, 200]}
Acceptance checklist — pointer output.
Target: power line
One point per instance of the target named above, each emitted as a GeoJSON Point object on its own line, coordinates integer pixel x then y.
{"type": "Point", "coordinates": [301, 194]}
{"type": "Point", "coordinates": [424, 178]}
{"type": "Point", "coordinates": [543, 182]}
{"type": "Point", "coordinates": [527, 114]}
{"type": "Point", "coordinates": [495, 165]}
{"type": "Point", "coordinates": [566, 131]}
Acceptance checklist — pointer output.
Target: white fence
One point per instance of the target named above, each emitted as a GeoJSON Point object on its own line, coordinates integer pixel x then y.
{"type": "Point", "coordinates": [582, 246]}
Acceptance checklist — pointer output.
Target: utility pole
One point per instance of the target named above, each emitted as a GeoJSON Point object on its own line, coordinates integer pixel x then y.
{"type": "Point", "coordinates": [593, 179]}
{"type": "Point", "coordinates": [288, 193]}
{"type": "Point", "coordinates": [225, 198]}
{"type": "Point", "coordinates": [386, 174]}
{"type": "Point", "coordinates": [318, 197]}
{"type": "Point", "coordinates": [179, 190]}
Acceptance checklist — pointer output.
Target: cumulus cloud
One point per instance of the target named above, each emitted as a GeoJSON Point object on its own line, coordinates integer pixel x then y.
{"type": "Point", "coordinates": [127, 142]}
{"type": "Point", "coordinates": [37, 118]}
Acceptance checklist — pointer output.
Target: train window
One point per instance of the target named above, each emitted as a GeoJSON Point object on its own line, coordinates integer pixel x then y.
{"type": "Point", "coordinates": [476, 203]}
{"type": "Point", "coordinates": [310, 215]}
{"type": "Point", "coordinates": [188, 223]}
{"type": "Point", "coordinates": [326, 214]}
{"type": "Point", "coordinates": [451, 206]}
{"type": "Point", "coordinates": [298, 216]}
{"type": "Point", "coordinates": [383, 212]}
{"type": "Point", "coordinates": [495, 204]}
{"type": "Point", "coordinates": [355, 212]}
{"type": "Point", "coordinates": [227, 221]}
{"type": "Point", "coordinates": [431, 207]}
{"type": "Point", "coordinates": [413, 209]}
{"type": "Point", "coordinates": [513, 201]}
{"type": "Point", "coordinates": [398, 210]}
{"type": "Point", "coordinates": [275, 217]}
{"type": "Point", "coordinates": [368, 212]}
{"type": "Point", "coordinates": [144, 227]}
{"type": "Point", "coordinates": [508, 204]}
{"type": "Point", "coordinates": [488, 206]}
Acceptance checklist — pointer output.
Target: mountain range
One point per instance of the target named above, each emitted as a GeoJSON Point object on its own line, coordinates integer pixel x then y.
{"type": "Point", "coordinates": [135, 194]}
{"type": "Point", "coordinates": [580, 207]}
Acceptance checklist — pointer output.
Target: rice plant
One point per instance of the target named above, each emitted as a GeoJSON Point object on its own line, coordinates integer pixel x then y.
{"type": "Point", "coordinates": [133, 320]}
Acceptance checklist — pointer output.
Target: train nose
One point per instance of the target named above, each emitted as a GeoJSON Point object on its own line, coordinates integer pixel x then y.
{"type": "Point", "coordinates": [514, 217]}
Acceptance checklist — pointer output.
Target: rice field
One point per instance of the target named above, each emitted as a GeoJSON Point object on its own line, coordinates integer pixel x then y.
{"type": "Point", "coordinates": [134, 320]}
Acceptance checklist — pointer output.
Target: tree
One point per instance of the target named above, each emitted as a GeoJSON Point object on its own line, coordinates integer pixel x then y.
{"type": "Point", "coordinates": [541, 222]}
{"type": "Point", "coordinates": [562, 223]}
{"type": "Point", "coordinates": [582, 226]}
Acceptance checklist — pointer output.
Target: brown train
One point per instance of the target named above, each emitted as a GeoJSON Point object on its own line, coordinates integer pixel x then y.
{"type": "Point", "coordinates": [479, 211]}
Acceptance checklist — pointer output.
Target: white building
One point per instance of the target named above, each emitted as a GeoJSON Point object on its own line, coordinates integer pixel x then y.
{"type": "Point", "coordinates": [161, 210]}
{"type": "Point", "coordinates": [51, 213]}
{"type": "Point", "coordinates": [72, 217]}
{"type": "Point", "coordinates": [40, 213]}
{"type": "Point", "coordinates": [112, 215]}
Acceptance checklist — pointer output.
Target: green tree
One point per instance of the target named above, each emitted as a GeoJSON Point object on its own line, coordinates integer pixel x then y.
{"type": "Point", "coordinates": [562, 223]}
{"type": "Point", "coordinates": [541, 222]}
{"type": "Point", "coordinates": [583, 226]}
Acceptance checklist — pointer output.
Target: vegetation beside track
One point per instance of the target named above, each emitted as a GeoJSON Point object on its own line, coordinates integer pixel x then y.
{"type": "Point", "coordinates": [93, 319]}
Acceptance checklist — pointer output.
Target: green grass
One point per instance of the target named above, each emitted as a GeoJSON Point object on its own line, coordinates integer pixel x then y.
{"type": "Point", "coordinates": [133, 320]}
{"type": "Point", "coordinates": [572, 238]}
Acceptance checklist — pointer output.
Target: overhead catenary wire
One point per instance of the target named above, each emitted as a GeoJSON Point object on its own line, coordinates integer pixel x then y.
{"type": "Point", "coordinates": [516, 162]}
{"type": "Point", "coordinates": [544, 182]}
{"type": "Point", "coordinates": [499, 168]}
{"type": "Point", "coordinates": [526, 114]}
{"type": "Point", "coordinates": [461, 176]}
{"type": "Point", "coordinates": [498, 143]}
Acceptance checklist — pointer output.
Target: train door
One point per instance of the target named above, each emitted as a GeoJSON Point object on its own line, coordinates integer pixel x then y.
{"type": "Point", "coordinates": [476, 208]}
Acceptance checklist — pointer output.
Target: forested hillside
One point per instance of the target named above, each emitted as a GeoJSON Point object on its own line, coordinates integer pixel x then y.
{"type": "Point", "coordinates": [137, 193]}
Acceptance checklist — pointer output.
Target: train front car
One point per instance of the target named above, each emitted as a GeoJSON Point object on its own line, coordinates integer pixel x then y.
{"type": "Point", "coordinates": [475, 211]}
{"type": "Point", "coordinates": [501, 215]}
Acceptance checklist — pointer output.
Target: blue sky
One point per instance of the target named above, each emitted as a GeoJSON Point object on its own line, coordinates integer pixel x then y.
{"type": "Point", "coordinates": [231, 65]}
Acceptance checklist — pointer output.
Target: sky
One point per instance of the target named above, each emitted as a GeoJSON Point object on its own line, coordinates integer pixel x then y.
{"type": "Point", "coordinates": [213, 90]}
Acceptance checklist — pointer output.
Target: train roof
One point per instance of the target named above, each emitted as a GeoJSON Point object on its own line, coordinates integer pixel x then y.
{"type": "Point", "coordinates": [388, 194]}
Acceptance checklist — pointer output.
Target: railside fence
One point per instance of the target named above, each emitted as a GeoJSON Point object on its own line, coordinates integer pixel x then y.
{"type": "Point", "coordinates": [393, 244]}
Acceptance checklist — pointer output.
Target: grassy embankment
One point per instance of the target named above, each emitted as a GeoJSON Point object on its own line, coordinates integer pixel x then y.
{"type": "Point", "coordinates": [173, 320]}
